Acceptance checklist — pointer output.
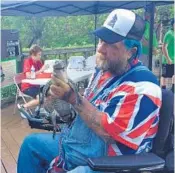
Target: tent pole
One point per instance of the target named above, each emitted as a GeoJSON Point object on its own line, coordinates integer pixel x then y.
{"type": "Point", "coordinates": [95, 29]}
{"type": "Point", "coordinates": [151, 34]}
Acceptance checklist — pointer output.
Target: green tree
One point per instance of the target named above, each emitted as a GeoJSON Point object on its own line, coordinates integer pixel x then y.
{"type": "Point", "coordinates": [53, 32]}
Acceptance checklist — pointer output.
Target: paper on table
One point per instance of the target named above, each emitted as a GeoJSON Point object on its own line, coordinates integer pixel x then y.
{"type": "Point", "coordinates": [50, 64]}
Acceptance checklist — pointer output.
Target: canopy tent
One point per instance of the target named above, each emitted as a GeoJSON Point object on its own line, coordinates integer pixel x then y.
{"type": "Point", "coordinates": [65, 8]}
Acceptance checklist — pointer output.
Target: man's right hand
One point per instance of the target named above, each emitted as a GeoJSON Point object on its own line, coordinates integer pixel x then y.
{"type": "Point", "coordinates": [155, 52]}
{"type": "Point", "coordinates": [169, 61]}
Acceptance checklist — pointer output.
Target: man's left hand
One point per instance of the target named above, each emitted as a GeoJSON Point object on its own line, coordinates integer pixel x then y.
{"type": "Point", "coordinates": [59, 88]}
{"type": "Point", "coordinates": [155, 52]}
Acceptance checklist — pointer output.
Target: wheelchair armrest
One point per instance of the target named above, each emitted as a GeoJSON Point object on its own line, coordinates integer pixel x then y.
{"type": "Point", "coordinates": [139, 162]}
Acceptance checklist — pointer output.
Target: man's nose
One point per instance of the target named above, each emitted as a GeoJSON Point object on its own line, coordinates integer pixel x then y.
{"type": "Point", "coordinates": [101, 48]}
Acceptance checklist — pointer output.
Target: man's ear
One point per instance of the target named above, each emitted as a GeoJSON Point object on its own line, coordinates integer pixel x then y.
{"type": "Point", "coordinates": [134, 50]}
{"type": "Point", "coordinates": [132, 53]}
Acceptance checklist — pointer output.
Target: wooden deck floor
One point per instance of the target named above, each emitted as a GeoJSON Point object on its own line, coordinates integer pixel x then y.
{"type": "Point", "coordinates": [13, 131]}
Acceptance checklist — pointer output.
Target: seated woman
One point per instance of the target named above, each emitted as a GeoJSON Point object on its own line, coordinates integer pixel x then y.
{"type": "Point", "coordinates": [33, 61]}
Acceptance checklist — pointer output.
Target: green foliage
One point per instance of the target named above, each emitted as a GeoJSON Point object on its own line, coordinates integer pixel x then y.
{"type": "Point", "coordinates": [53, 32]}
{"type": "Point", "coordinates": [165, 12]}
{"type": "Point", "coordinates": [8, 91]}
{"type": "Point", "coordinates": [70, 31]}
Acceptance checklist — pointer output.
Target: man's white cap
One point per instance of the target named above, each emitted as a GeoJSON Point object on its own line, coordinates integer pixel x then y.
{"type": "Point", "coordinates": [121, 24]}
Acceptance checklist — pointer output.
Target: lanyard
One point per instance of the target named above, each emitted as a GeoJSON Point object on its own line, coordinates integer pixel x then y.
{"type": "Point", "coordinates": [94, 86]}
{"type": "Point", "coordinates": [114, 82]}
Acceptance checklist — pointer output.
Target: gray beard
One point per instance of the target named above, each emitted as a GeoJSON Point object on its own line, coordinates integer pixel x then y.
{"type": "Point", "coordinates": [118, 69]}
{"type": "Point", "coordinates": [115, 69]}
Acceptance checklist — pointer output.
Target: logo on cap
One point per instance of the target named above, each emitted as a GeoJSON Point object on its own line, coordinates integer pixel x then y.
{"type": "Point", "coordinates": [113, 21]}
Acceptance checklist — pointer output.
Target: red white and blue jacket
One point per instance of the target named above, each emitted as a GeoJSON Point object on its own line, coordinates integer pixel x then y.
{"type": "Point", "coordinates": [130, 107]}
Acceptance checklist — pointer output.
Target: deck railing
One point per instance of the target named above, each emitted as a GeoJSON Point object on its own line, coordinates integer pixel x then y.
{"type": "Point", "coordinates": [8, 92]}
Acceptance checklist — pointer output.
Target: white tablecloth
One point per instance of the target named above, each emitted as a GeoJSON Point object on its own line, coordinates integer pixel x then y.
{"type": "Point", "coordinates": [74, 75]}
{"type": "Point", "coordinates": [41, 81]}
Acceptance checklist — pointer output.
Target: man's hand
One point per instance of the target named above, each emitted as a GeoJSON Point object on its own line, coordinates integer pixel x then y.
{"type": "Point", "coordinates": [155, 52]}
{"type": "Point", "coordinates": [59, 88]}
{"type": "Point", "coordinates": [169, 61]}
{"type": "Point", "coordinates": [89, 113]}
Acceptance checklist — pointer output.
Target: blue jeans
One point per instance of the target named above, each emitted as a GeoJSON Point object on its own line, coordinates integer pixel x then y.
{"type": "Point", "coordinates": [36, 153]}
{"type": "Point", "coordinates": [38, 150]}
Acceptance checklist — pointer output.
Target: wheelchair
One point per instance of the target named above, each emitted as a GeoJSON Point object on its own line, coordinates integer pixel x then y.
{"type": "Point", "coordinates": [160, 159]}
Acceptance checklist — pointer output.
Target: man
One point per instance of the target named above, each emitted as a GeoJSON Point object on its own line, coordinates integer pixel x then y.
{"type": "Point", "coordinates": [145, 40]}
{"type": "Point", "coordinates": [118, 114]}
{"type": "Point", "coordinates": [168, 58]}
{"type": "Point", "coordinates": [33, 61]}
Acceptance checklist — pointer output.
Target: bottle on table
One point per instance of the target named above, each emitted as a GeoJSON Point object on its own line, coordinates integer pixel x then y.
{"type": "Point", "coordinates": [32, 73]}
